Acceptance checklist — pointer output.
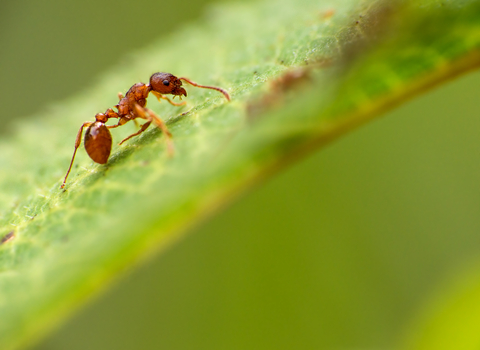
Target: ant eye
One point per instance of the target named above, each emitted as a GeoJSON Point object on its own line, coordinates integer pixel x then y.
{"type": "Point", "coordinates": [166, 82]}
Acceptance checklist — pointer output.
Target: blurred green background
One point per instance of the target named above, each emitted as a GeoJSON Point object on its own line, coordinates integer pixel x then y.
{"type": "Point", "coordinates": [51, 49]}
{"type": "Point", "coordinates": [343, 250]}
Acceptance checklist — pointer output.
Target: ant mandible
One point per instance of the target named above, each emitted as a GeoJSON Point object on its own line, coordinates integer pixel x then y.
{"type": "Point", "coordinates": [98, 140]}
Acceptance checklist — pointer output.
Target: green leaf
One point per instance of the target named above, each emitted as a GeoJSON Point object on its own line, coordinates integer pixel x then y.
{"type": "Point", "coordinates": [300, 75]}
{"type": "Point", "coordinates": [451, 320]}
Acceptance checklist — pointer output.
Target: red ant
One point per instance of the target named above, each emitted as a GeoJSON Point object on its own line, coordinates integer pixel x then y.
{"type": "Point", "coordinates": [98, 140]}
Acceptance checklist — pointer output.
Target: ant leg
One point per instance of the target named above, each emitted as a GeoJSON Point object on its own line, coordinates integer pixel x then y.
{"type": "Point", "coordinates": [160, 96]}
{"type": "Point", "coordinates": [77, 144]}
{"type": "Point", "coordinates": [120, 96]}
{"type": "Point", "coordinates": [123, 120]}
{"type": "Point", "coordinates": [143, 128]}
{"type": "Point", "coordinates": [162, 126]}
{"type": "Point", "coordinates": [224, 92]}
{"type": "Point", "coordinates": [113, 126]}
{"type": "Point", "coordinates": [117, 125]}
{"type": "Point", "coordinates": [151, 116]}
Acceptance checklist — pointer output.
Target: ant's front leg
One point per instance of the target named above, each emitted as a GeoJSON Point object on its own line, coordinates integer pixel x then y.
{"type": "Point", "coordinates": [160, 96]}
{"type": "Point", "coordinates": [120, 96]}
{"type": "Point", "coordinates": [77, 144]}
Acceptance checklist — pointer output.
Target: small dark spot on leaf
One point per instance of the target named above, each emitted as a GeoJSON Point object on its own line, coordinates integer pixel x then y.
{"type": "Point", "coordinates": [375, 24]}
{"type": "Point", "coordinates": [8, 237]}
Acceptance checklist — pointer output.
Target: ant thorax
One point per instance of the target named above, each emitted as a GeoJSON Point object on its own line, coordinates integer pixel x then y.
{"type": "Point", "coordinates": [137, 94]}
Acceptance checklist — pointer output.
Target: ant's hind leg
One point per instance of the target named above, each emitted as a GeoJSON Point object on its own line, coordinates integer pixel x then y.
{"type": "Point", "coordinates": [77, 144]}
{"type": "Point", "coordinates": [160, 96]}
{"type": "Point", "coordinates": [142, 129]}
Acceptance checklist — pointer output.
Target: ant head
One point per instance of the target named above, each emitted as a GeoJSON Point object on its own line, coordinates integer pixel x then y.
{"type": "Point", "coordinates": [166, 83]}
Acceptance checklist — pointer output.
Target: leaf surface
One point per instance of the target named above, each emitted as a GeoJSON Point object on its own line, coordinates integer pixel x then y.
{"type": "Point", "coordinates": [300, 75]}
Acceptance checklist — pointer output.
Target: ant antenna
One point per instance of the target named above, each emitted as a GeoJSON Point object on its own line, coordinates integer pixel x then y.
{"type": "Point", "coordinates": [224, 92]}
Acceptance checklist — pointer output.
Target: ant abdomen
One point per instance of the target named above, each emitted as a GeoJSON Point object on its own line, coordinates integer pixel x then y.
{"type": "Point", "coordinates": [98, 142]}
